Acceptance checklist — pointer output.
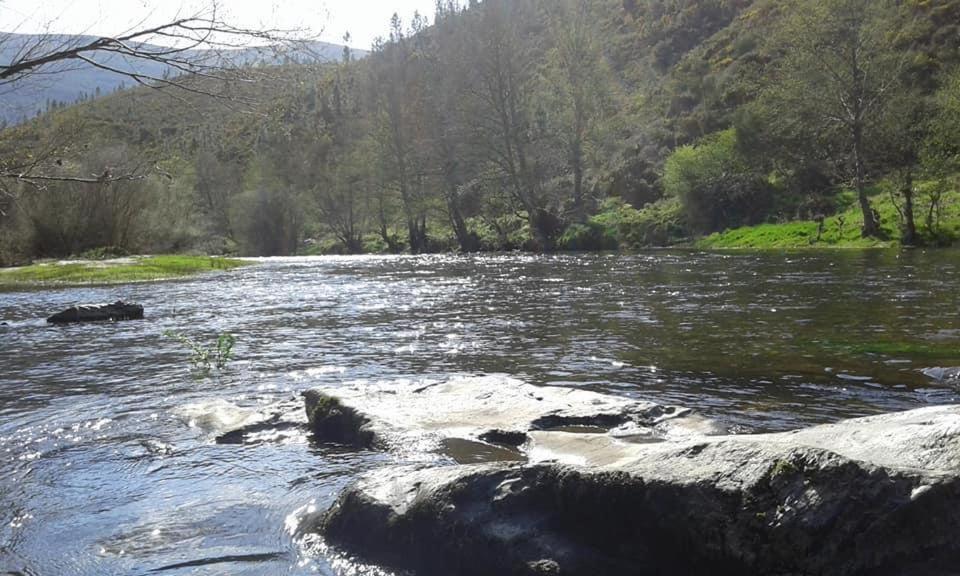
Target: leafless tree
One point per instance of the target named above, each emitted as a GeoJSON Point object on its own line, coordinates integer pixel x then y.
{"type": "Point", "coordinates": [188, 48]}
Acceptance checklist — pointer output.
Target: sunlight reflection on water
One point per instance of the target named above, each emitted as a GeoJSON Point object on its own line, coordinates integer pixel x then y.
{"type": "Point", "coordinates": [110, 464]}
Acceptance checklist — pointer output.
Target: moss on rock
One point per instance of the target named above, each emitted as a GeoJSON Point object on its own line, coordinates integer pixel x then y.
{"type": "Point", "coordinates": [331, 421]}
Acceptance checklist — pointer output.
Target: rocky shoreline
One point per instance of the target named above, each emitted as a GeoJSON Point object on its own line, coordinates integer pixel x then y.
{"type": "Point", "coordinates": [605, 485]}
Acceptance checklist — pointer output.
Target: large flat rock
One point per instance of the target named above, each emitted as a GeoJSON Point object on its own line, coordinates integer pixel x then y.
{"type": "Point", "coordinates": [534, 422]}
{"type": "Point", "coordinates": [877, 495]}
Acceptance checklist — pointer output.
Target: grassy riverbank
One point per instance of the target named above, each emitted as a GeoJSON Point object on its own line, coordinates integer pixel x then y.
{"type": "Point", "coordinates": [843, 229]}
{"type": "Point", "coordinates": [117, 271]}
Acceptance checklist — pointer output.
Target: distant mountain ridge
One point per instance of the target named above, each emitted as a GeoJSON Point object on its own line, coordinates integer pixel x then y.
{"type": "Point", "coordinates": [77, 81]}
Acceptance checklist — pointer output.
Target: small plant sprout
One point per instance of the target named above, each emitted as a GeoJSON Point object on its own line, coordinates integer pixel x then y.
{"type": "Point", "coordinates": [203, 357]}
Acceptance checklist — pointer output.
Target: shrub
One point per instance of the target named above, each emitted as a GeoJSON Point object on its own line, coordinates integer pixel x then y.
{"type": "Point", "coordinates": [715, 186]}
{"type": "Point", "coordinates": [104, 253]}
{"type": "Point", "coordinates": [204, 357]}
{"type": "Point", "coordinates": [658, 224]}
{"type": "Point", "coordinates": [502, 233]}
{"type": "Point", "coordinates": [592, 236]}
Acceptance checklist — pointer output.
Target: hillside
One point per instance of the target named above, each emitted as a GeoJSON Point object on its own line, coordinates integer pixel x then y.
{"type": "Point", "coordinates": [537, 125]}
{"type": "Point", "coordinates": [66, 84]}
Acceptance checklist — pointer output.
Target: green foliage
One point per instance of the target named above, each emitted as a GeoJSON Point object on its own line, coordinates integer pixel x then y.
{"type": "Point", "coordinates": [590, 237]}
{"type": "Point", "coordinates": [689, 166]}
{"type": "Point", "coordinates": [843, 229]}
{"type": "Point", "coordinates": [715, 185]}
{"type": "Point", "coordinates": [502, 233]}
{"type": "Point", "coordinates": [510, 124]}
{"type": "Point", "coordinates": [839, 82]}
{"type": "Point", "coordinates": [658, 224]}
{"type": "Point", "coordinates": [104, 253]}
{"type": "Point", "coordinates": [206, 357]}
{"type": "Point", "coordinates": [941, 152]}
{"type": "Point", "coordinates": [128, 270]}
{"type": "Point", "coordinates": [783, 468]}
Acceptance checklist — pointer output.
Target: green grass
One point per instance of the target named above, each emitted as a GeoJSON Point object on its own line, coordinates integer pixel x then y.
{"type": "Point", "coordinates": [140, 269]}
{"type": "Point", "coordinates": [803, 234]}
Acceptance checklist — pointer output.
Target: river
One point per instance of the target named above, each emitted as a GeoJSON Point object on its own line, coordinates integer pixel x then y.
{"type": "Point", "coordinates": [106, 431]}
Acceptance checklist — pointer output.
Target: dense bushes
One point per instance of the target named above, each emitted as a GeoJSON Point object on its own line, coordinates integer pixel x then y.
{"type": "Point", "coordinates": [589, 237]}
{"type": "Point", "coordinates": [716, 186]}
{"type": "Point", "coordinates": [60, 219]}
{"type": "Point", "coordinates": [618, 225]}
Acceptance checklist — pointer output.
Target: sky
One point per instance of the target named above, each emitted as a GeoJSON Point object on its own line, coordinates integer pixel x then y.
{"type": "Point", "coordinates": [364, 19]}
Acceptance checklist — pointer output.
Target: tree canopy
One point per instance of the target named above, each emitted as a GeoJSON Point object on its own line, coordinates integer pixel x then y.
{"type": "Point", "coordinates": [527, 124]}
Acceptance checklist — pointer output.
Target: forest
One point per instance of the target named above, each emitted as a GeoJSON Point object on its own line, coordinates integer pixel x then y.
{"type": "Point", "coordinates": [540, 125]}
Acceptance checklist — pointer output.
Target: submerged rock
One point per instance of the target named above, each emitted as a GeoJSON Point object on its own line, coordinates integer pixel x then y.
{"type": "Point", "coordinates": [106, 313]}
{"type": "Point", "coordinates": [945, 375]}
{"type": "Point", "coordinates": [877, 495]}
{"type": "Point", "coordinates": [228, 423]}
{"type": "Point", "coordinates": [271, 429]}
{"type": "Point", "coordinates": [218, 416]}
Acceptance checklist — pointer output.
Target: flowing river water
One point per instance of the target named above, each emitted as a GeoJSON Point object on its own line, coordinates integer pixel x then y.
{"type": "Point", "coordinates": [108, 463]}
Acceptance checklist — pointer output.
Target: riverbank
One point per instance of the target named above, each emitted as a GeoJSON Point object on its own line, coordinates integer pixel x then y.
{"type": "Point", "coordinates": [843, 229]}
{"type": "Point", "coordinates": [114, 271]}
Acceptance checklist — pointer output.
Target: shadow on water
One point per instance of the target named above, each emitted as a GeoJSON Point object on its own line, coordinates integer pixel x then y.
{"type": "Point", "coordinates": [110, 462]}
{"type": "Point", "coordinates": [251, 558]}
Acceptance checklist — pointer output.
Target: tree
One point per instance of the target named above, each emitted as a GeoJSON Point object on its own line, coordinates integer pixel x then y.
{"type": "Point", "coordinates": [900, 144]}
{"type": "Point", "coordinates": [200, 46]}
{"type": "Point", "coordinates": [343, 188]}
{"type": "Point", "coordinates": [446, 67]}
{"type": "Point", "coordinates": [506, 125]}
{"type": "Point", "coordinates": [397, 95]}
{"type": "Point", "coordinates": [940, 152]}
{"type": "Point", "coordinates": [839, 73]}
{"type": "Point", "coordinates": [581, 80]}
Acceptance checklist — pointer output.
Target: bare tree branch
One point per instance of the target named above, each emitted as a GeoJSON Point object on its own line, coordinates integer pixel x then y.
{"type": "Point", "coordinates": [187, 49]}
{"type": "Point", "coordinates": [28, 178]}
{"type": "Point", "coordinates": [203, 44]}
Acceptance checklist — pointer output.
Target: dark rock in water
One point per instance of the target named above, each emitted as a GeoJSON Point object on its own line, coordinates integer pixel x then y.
{"type": "Point", "coordinates": [157, 447]}
{"type": "Point", "coordinates": [332, 421]}
{"type": "Point", "coordinates": [107, 313]}
{"type": "Point", "coordinates": [505, 437]}
{"type": "Point", "coordinates": [877, 495]}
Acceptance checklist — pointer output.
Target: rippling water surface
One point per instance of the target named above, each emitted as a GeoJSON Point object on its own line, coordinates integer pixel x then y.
{"type": "Point", "coordinates": [107, 458]}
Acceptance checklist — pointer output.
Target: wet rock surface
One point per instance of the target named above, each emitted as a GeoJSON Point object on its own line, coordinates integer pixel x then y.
{"type": "Point", "coordinates": [878, 495]}
{"type": "Point", "coordinates": [115, 312]}
{"type": "Point", "coordinates": [494, 410]}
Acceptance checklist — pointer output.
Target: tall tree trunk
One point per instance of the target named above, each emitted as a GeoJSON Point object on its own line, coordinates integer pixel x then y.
{"type": "Point", "coordinates": [871, 228]}
{"type": "Point", "coordinates": [545, 227]}
{"type": "Point", "coordinates": [579, 209]}
{"type": "Point", "coordinates": [416, 232]}
{"type": "Point", "coordinates": [467, 240]}
{"type": "Point", "coordinates": [384, 230]}
{"type": "Point", "coordinates": [909, 224]}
